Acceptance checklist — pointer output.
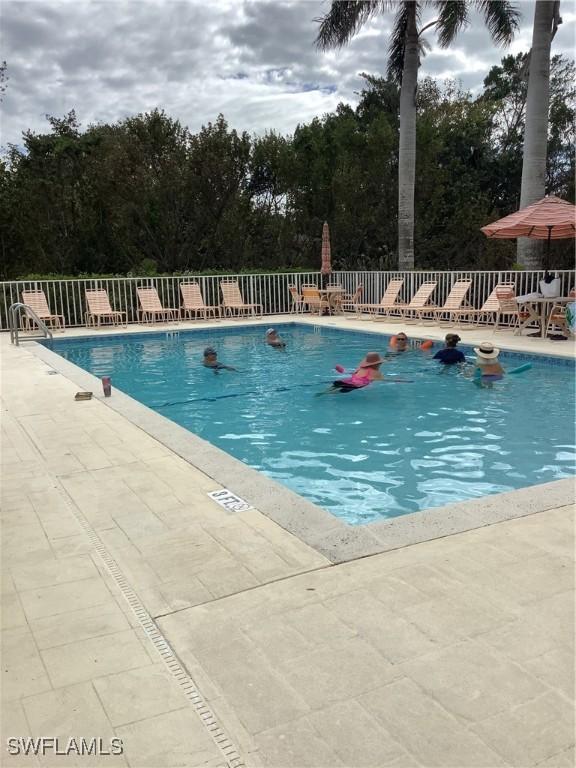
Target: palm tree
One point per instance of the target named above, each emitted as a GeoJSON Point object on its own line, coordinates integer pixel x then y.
{"type": "Point", "coordinates": [546, 21]}
{"type": "Point", "coordinates": [344, 20]}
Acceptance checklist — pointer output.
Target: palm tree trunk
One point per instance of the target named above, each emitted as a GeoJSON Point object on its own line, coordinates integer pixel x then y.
{"type": "Point", "coordinates": [407, 148]}
{"type": "Point", "coordinates": [529, 253]}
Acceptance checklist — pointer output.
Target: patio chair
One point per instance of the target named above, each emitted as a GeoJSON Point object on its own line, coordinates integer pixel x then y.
{"type": "Point", "coordinates": [297, 303]}
{"type": "Point", "coordinates": [508, 309]}
{"type": "Point", "coordinates": [388, 301]}
{"type": "Point", "coordinates": [233, 301]}
{"type": "Point", "coordinates": [36, 300]}
{"type": "Point", "coordinates": [557, 319]}
{"type": "Point", "coordinates": [99, 309]}
{"type": "Point", "coordinates": [151, 306]}
{"type": "Point", "coordinates": [454, 301]}
{"type": "Point", "coordinates": [193, 303]}
{"type": "Point", "coordinates": [349, 301]}
{"type": "Point", "coordinates": [313, 300]}
{"type": "Point", "coordinates": [420, 303]}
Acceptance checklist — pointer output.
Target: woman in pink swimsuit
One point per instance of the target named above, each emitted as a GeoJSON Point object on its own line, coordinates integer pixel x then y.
{"type": "Point", "coordinates": [367, 372]}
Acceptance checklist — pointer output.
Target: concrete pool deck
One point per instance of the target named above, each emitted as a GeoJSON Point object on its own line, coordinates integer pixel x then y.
{"type": "Point", "coordinates": [451, 652]}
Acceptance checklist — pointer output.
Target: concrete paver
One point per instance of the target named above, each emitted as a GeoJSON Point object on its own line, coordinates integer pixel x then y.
{"type": "Point", "coordinates": [531, 731]}
{"type": "Point", "coordinates": [169, 740]}
{"type": "Point", "coordinates": [425, 729]}
{"type": "Point", "coordinates": [138, 694]}
{"type": "Point", "coordinates": [453, 652]}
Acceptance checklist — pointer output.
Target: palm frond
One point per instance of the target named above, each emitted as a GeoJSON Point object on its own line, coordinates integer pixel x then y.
{"type": "Point", "coordinates": [452, 16]}
{"type": "Point", "coordinates": [398, 40]}
{"type": "Point", "coordinates": [344, 19]}
{"type": "Point", "coordinates": [501, 18]}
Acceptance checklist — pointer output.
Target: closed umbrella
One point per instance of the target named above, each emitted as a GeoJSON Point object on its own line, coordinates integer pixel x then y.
{"type": "Point", "coordinates": [326, 269]}
{"type": "Point", "coordinates": [548, 219]}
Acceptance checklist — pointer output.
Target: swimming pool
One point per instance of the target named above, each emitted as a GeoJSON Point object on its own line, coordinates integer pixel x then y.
{"type": "Point", "coordinates": [378, 453]}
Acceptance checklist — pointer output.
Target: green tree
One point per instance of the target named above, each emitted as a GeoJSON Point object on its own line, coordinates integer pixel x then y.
{"type": "Point", "coordinates": [343, 21]}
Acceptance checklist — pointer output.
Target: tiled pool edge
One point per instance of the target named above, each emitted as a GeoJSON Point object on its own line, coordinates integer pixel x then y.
{"type": "Point", "coordinates": [319, 529]}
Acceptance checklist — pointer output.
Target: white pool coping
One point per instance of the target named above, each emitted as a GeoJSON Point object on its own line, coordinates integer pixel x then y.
{"type": "Point", "coordinates": [327, 534]}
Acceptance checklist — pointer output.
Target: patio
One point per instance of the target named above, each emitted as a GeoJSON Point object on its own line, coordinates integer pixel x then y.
{"type": "Point", "coordinates": [452, 652]}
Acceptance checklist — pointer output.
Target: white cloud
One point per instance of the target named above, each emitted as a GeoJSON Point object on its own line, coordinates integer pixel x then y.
{"type": "Point", "coordinates": [253, 60]}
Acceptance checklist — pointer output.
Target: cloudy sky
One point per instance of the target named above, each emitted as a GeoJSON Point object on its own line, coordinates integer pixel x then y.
{"type": "Point", "coordinates": [253, 60]}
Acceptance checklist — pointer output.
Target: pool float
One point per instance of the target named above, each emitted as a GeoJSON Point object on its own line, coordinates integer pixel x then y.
{"type": "Point", "coordinates": [521, 368]}
{"type": "Point", "coordinates": [498, 376]}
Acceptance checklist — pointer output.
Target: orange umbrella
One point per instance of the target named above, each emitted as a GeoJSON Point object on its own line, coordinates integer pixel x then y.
{"type": "Point", "coordinates": [326, 254]}
{"type": "Point", "coordinates": [548, 219]}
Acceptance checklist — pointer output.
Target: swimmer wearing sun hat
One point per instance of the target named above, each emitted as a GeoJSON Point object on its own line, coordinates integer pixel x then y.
{"type": "Point", "coordinates": [273, 340]}
{"type": "Point", "coordinates": [368, 371]}
{"type": "Point", "coordinates": [488, 369]}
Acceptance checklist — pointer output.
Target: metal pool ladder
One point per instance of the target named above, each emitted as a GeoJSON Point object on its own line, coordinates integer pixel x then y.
{"type": "Point", "coordinates": [15, 312]}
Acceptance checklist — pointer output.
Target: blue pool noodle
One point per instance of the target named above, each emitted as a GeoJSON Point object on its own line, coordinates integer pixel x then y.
{"type": "Point", "coordinates": [521, 368]}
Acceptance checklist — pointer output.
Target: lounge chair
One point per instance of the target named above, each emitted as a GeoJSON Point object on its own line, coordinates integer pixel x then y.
{"type": "Point", "coordinates": [420, 303]}
{"type": "Point", "coordinates": [296, 296]}
{"type": "Point", "coordinates": [233, 301]}
{"type": "Point", "coordinates": [388, 301]}
{"type": "Point", "coordinates": [151, 307]}
{"type": "Point", "coordinates": [36, 300]}
{"type": "Point", "coordinates": [490, 306]}
{"type": "Point", "coordinates": [193, 302]}
{"type": "Point", "coordinates": [454, 301]}
{"type": "Point", "coordinates": [99, 309]}
{"type": "Point", "coordinates": [313, 300]}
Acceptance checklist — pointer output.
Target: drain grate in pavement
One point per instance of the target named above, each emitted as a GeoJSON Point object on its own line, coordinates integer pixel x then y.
{"type": "Point", "coordinates": [219, 736]}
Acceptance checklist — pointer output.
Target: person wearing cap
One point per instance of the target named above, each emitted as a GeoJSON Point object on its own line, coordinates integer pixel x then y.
{"type": "Point", "coordinates": [488, 369]}
{"type": "Point", "coordinates": [211, 361]}
{"type": "Point", "coordinates": [450, 355]}
{"type": "Point", "coordinates": [367, 372]}
{"type": "Point", "coordinates": [273, 340]}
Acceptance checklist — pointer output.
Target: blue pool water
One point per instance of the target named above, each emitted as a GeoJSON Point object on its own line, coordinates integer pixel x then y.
{"type": "Point", "coordinates": [377, 453]}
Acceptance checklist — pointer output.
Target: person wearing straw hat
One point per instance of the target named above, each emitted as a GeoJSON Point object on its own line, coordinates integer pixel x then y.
{"type": "Point", "coordinates": [488, 369]}
{"type": "Point", "coordinates": [273, 340]}
{"type": "Point", "coordinates": [367, 372]}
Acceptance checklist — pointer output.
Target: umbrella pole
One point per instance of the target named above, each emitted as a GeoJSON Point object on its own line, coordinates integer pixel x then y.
{"type": "Point", "coordinates": [548, 248]}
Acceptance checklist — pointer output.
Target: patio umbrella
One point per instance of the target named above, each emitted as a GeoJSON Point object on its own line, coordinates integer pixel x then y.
{"type": "Point", "coordinates": [548, 219]}
{"type": "Point", "coordinates": [326, 269]}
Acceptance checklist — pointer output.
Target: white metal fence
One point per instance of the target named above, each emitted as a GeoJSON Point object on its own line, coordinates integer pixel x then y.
{"type": "Point", "coordinates": [67, 297]}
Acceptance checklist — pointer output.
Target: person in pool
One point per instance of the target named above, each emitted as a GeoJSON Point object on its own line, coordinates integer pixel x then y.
{"type": "Point", "coordinates": [488, 369]}
{"type": "Point", "coordinates": [401, 343]}
{"type": "Point", "coordinates": [273, 340]}
{"type": "Point", "coordinates": [211, 361]}
{"type": "Point", "coordinates": [450, 355]}
{"type": "Point", "coordinates": [367, 372]}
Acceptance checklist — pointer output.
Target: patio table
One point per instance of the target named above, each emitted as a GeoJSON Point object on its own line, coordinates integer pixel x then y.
{"type": "Point", "coordinates": [333, 295]}
{"type": "Point", "coordinates": [539, 310]}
